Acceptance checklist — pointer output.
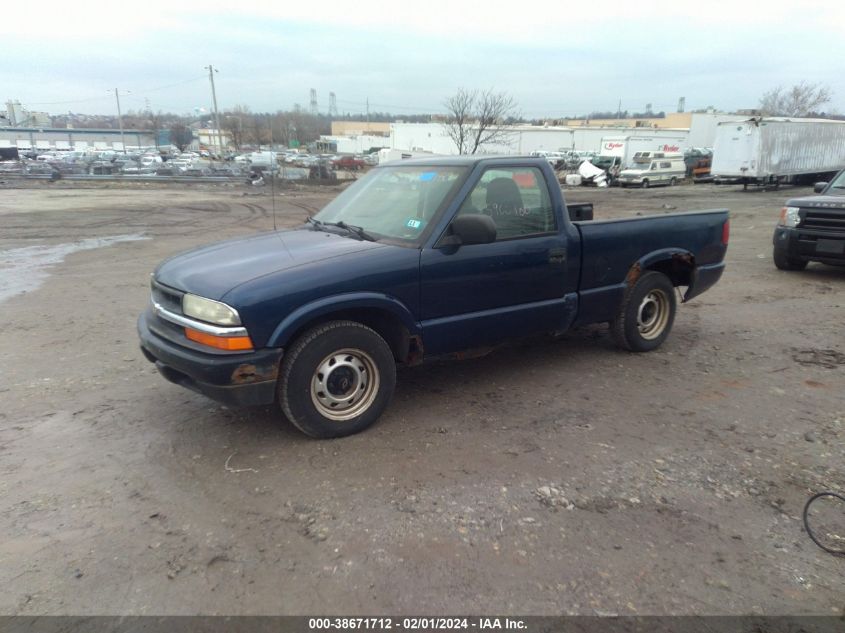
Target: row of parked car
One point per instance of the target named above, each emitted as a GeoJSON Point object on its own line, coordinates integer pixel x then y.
{"type": "Point", "coordinates": [298, 159]}
{"type": "Point", "coordinates": [138, 162]}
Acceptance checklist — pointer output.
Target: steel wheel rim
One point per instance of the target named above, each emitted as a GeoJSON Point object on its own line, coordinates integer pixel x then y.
{"type": "Point", "coordinates": [344, 384]}
{"type": "Point", "coordinates": [653, 314]}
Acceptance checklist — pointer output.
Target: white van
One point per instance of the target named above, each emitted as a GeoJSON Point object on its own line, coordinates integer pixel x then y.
{"type": "Point", "coordinates": [648, 171]}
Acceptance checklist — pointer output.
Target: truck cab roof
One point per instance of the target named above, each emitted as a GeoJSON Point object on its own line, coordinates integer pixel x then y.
{"type": "Point", "coordinates": [467, 160]}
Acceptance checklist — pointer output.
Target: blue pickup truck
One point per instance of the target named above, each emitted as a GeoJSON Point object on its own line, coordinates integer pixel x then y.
{"type": "Point", "coordinates": [419, 259]}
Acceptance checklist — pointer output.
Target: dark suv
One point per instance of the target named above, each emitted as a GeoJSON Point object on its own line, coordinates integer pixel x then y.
{"type": "Point", "coordinates": [812, 229]}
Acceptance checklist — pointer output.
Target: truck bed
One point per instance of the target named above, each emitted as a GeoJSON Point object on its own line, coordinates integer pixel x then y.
{"type": "Point", "coordinates": [609, 247]}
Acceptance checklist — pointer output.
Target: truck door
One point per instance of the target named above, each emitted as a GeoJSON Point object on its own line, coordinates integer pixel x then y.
{"type": "Point", "coordinates": [523, 283]}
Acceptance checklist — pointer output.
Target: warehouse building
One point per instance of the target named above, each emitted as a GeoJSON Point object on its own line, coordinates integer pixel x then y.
{"type": "Point", "coordinates": [79, 139]}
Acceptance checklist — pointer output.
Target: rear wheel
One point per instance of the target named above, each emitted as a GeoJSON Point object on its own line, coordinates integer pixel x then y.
{"type": "Point", "coordinates": [336, 379]}
{"type": "Point", "coordinates": [673, 181]}
{"type": "Point", "coordinates": [646, 315]}
{"type": "Point", "coordinates": [785, 262]}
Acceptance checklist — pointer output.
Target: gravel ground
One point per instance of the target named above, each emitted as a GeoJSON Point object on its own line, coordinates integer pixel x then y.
{"type": "Point", "coordinates": [549, 477]}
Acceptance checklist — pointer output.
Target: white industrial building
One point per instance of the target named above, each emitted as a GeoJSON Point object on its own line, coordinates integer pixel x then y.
{"type": "Point", "coordinates": [354, 143]}
{"type": "Point", "coordinates": [16, 115]}
{"type": "Point", "coordinates": [524, 139]}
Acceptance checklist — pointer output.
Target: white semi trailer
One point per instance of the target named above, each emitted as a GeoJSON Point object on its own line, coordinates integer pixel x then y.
{"type": "Point", "coordinates": [774, 150]}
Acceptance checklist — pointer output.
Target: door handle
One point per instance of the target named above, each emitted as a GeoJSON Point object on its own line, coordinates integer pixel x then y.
{"type": "Point", "coordinates": [557, 256]}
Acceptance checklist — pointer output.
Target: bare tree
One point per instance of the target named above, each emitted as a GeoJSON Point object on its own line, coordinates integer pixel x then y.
{"type": "Point", "coordinates": [236, 123]}
{"type": "Point", "coordinates": [156, 120]}
{"type": "Point", "coordinates": [802, 99]}
{"type": "Point", "coordinates": [479, 117]}
{"type": "Point", "coordinates": [457, 125]}
{"type": "Point", "coordinates": [181, 136]}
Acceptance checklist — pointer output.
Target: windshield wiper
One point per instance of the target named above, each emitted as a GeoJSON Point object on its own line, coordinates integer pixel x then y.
{"type": "Point", "coordinates": [358, 230]}
{"type": "Point", "coordinates": [352, 228]}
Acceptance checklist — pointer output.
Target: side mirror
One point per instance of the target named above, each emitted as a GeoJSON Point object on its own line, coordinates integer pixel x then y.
{"type": "Point", "coordinates": [819, 187]}
{"type": "Point", "coordinates": [472, 228]}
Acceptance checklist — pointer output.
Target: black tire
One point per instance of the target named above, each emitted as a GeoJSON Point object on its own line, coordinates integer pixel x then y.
{"type": "Point", "coordinates": [645, 184]}
{"type": "Point", "coordinates": [646, 315]}
{"type": "Point", "coordinates": [784, 262]}
{"type": "Point", "coordinates": [359, 376]}
{"type": "Point", "coordinates": [673, 181]}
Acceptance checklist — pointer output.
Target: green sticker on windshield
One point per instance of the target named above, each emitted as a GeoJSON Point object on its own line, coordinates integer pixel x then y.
{"type": "Point", "coordinates": [415, 223]}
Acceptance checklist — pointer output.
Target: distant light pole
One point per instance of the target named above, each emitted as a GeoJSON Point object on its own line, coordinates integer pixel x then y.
{"type": "Point", "coordinates": [120, 119]}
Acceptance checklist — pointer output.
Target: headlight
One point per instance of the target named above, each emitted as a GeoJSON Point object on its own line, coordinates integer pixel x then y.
{"type": "Point", "coordinates": [789, 216]}
{"type": "Point", "coordinates": [209, 311]}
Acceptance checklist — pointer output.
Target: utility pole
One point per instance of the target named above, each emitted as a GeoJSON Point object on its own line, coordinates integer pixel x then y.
{"type": "Point", "coordinates": [120, 120]}
{"type": "Point", "coordinates": [368, 115]}
{"type": "Point", "coordinates": [211, 72]}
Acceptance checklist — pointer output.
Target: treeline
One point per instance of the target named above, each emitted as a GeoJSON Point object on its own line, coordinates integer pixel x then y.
{"type": "Point", "coordinates": [242, 126]}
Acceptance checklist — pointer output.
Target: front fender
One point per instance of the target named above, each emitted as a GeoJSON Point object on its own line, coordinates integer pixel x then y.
{"type": "Point", "coordinates": [354, 300]}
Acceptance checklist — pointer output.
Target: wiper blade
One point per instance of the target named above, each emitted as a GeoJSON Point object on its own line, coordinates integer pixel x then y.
{"type": "Point", "coordinates": [357, 230]}
{"type": "Point", "coordinates": [352, 228]}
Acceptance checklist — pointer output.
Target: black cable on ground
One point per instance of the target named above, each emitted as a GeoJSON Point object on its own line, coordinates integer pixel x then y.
{"type": "Point", "coordinates": [818, 495]}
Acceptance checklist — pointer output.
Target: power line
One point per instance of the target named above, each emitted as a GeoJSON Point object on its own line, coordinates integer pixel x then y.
{"type": "Point", "coordinates": [179, 83]}
{"type": "Point", "coordinates": [165, 87]}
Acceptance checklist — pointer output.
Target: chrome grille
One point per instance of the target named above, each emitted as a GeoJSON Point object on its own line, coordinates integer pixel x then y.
{"type": "Point", "coordinates": [167, 298]}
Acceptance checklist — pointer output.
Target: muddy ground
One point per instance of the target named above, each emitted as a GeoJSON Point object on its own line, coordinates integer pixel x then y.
{"type": "Point", "coordinates": [562, 477]}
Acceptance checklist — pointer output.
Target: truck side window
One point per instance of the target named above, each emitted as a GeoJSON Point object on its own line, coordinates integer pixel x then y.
{"type": "Point", "coordinates": [516, 198]}
{"type": "Point", "coordinates": [665, 165]}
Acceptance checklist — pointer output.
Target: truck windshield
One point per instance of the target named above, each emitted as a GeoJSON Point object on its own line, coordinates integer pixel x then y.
{"type": "Point", "coordinates": [395, 203]}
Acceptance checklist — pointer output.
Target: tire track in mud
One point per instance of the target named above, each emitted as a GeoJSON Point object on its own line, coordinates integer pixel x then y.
{"type": "Point", "coordinates": [311, 209]}
{"type": "Point", "coordinates": [154, 219]}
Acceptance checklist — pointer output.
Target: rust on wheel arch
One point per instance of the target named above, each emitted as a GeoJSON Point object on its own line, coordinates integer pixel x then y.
{"type": "Point", "coordinates": [633, 275]}
{"type": "Point", "coordinates": [415, 351]}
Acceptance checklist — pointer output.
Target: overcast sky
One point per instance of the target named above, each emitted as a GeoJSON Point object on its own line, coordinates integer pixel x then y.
{"type": "Point", "coordinates": [556, 58]}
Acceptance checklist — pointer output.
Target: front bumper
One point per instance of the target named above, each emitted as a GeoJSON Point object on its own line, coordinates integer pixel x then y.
{"type": "Point", "coordinates": [810, 245]}
{"type": "Point", "coordinates": [234, 378]}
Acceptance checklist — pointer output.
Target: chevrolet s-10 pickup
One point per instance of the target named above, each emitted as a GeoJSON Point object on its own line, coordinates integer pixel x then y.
{"type": "Point", "coordinates": [419, 259]}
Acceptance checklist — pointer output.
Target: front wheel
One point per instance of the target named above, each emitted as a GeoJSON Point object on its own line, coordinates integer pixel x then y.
{"type": "Point", "coordinates": [646, 314]}
{"type": "Point", "coordinates": [645, 184]}
{"type": "Point", "coordinates": [336, 379]}
{"type": "Point", "coordinates": [785, 262]}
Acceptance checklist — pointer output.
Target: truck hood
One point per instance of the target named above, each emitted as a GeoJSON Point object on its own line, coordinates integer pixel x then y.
{"type": "Point", "coordinates": [212, 271]}
{"type": "Point", "coordinates": [829, 202]}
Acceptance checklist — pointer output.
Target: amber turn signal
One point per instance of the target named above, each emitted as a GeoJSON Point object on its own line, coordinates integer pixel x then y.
{"type": "Point", "coordinates": [228, 343]}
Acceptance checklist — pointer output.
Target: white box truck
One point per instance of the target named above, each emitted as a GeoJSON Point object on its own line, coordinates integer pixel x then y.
{"type": "Point", "coordinates": [619, 150]}
{"type": "Point", "coordinates": [774, 150]}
